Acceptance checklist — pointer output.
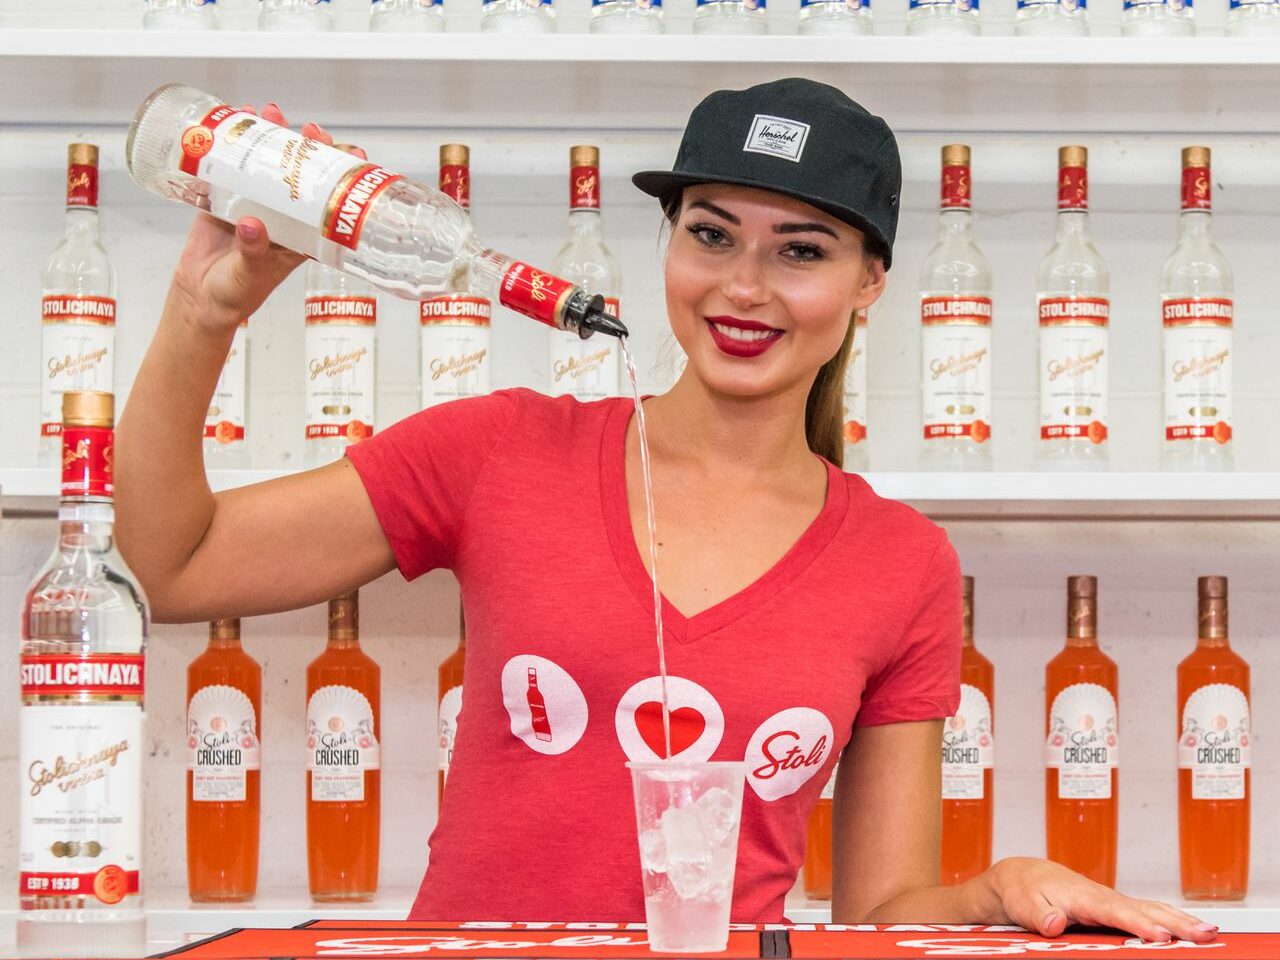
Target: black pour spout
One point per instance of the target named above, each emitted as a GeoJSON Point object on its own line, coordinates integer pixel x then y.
{"type": "Point", "coordinates": [585, 314]}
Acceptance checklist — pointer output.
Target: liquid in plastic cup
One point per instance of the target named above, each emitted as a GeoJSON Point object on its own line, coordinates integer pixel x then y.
{"type": "Point", "coordinates": [687, 818]}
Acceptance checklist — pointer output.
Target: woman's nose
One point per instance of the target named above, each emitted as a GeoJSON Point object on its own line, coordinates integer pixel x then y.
{"type": "Point", "coordinates": [746, 283]}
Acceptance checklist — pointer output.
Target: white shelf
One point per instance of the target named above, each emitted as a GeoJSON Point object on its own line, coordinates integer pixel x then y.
{"type": "Point", "coordinates": [650, 82]}
{"type": "Point", "coordinates": [1081, 496]}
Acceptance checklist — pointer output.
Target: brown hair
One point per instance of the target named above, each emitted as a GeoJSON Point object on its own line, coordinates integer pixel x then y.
{"type": "Point", "coordinates": [824, 408]}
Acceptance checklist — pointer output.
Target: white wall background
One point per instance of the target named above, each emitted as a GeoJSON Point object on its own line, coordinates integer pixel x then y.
{"type": "Point", "coordinates": [1147, 569]}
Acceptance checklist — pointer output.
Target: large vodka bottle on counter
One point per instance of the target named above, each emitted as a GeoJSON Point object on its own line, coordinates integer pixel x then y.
{"type": "Point", "coordinates": [80, 725]}
{"type": "Point", "coordinates": [403, 236]}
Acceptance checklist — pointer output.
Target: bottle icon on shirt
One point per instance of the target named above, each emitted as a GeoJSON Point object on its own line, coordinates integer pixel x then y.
{"type": "Point", "coordinates": [538, 708]}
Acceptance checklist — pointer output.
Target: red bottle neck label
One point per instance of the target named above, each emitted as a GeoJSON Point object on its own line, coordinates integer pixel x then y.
{"type": "Point", "coordinates": [1073, 188]}
{"type": "Point", "coordinates": [82, 185]}
{"type": "Point", "coordinates": [955, 187]}
{"type": "Point", "coordinates": [455, 183]}
{"type": "Point", "coordinates": [539, 296]}
{"type": "Point", "coordinates": [87, 455]}
{"type": "Point", "coordinates": [584, 188]}
{"type": "Point", "coordinates": [1197, 189]}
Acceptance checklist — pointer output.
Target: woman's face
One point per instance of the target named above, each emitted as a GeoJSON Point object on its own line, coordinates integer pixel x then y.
{"type": "Point", "coordinates": [761, 287]}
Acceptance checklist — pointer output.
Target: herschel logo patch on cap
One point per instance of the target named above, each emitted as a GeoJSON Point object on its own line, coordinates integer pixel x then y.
{"type": "Point", "coordinates": [777, 137]}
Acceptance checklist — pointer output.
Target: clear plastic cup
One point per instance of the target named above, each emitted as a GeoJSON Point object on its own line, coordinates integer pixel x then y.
{"type": "Point", "coordinates": [687, 818]}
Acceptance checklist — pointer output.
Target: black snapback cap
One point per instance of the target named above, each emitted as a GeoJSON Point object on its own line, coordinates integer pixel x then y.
{"type": "Point", "coordinates": [796, 137]}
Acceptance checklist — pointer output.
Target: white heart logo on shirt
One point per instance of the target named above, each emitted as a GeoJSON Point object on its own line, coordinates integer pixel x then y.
{"type": "Point", "coordinates": [788, 750]}
{"type": "Point", "coordinates": [697, 722]}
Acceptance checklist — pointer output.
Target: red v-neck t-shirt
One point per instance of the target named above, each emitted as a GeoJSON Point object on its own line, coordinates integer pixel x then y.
{"type": "Point", "coordinates": [524, 498]}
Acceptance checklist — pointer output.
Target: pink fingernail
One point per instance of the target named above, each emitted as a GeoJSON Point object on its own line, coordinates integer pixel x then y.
{"type": "Point", "coordinates": [1206, 928]}
{"type": "Point", "coordinates": [1050, 920]}
{"type": "Point", "coordinates": [361, 154]}
{"type": "Point", "coordinates": [248, 231]}
{"type": "Point", "coordinates": [1168, 934]}
{"type": "Point", "coordinates": [272, 106]}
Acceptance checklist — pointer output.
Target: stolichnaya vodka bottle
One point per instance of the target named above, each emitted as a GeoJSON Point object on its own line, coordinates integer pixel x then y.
{"type": "Point", "coordinates": [1074, 309]}
{"type": "Point", "coordinates": [626, 16]}
{"type": "Point", "coordinates": [340, 373]}
{"type": "Point", "coordinates": [1198, 310]}
{"type": "Point", "coordinates": [943, 18]}
{"type": "Point", "coordinates": [517, 16]}
{"type": "Point", "coordinates": [855, 398]}
{"type": "Point", "coordinates": [180, 15]}
{"type": "Point", "coordinates": [1253, 18]}
{"type": "Point", "coordinates": [730, 16]}
{"type": "Point", "coordinates": [406, 16]}
{"type": "Point", "coordinates": [80, 725]}
{"type": "Point", "coordinates": [455, 337]}
{"type": "Point", "coordinates": [846, 17]}
{"type": "Point", "coordinates": [1158, 18]}
{"type": "Point", "coordinates": [346, 212]}
{"type": "Point", "coordinates": [587, 369]}
{"type": "Point", "coordinates": [297, 16]}
{"type": "Point", "coordinates": [78, 306]}
{"type": "Point", "coordinates": [955, 318]}
{"type": "Point", "coordinates": [1052, 18]}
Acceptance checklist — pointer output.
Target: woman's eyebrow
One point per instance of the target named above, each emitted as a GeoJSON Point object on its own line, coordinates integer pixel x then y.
{"type": "Point", "coordinates": [718, 211]}
{"type": "Point", "coordinates": [805, 228]}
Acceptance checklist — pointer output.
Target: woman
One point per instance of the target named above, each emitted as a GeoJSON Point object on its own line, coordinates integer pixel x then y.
{"type": "Point", "coordinates": [808, 621]}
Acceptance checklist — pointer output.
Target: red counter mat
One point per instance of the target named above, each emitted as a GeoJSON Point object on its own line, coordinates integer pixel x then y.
{"type": "Point", "coordinates": [484, 926]}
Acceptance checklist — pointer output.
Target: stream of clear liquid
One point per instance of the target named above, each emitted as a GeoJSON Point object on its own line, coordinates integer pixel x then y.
{"type": "Point", "coordinates": [653, 539]}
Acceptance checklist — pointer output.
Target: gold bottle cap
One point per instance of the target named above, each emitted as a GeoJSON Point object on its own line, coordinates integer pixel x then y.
{"type": "Point", "coordinates": [1082, 607]}
{"type": "Point", "coordinates": [1073, 156]}
{"type": "Point", "coordinates": [88, 408]}
{"type": "Point", "coordinates": [968, 607]}
{"type": "Point", "coordinates": [344, 616]}
{"type": "Point", "coordinates": [228, 629]}
{"type": "Point", "coordinates": [1212, 587]}
{"type": "Point", "coordinates": [955, 155]}
{"type": "Point", "coordinates": [82, 154]}
{"type": "Point", "coordinates": [1195, 157]}
{"type": "Point", "coordinates": [454, 155]}
{"type": "Point", "coordinates": [584, 156]}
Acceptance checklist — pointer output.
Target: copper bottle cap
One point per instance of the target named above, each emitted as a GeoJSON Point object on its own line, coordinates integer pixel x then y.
{"type": "Point", "coordinates": [454, 155]}
{"type": "Point", "coordinates": [968, 607]}
{"type": "Point", "coordinates": [955, 155]}
{"type": "Point", "coordinates": [1073, 156]}
{"type": "Point", "coordinates": [344, 616]}
{"type": "Point", "coordinates": [228, 629]}
{"type": "Point", "coordinates": [1213, 607]}
{"type": "Point", "coordinates": [82, 154]}
{"type": "Point", "coordinates": [88, 408]}
{"type": "Point", "coordinates": [1195, 157]}
{"type": "Point", "coordinates": [584, 156]}
{"type": "Point", "coordinates": [1082, 607]}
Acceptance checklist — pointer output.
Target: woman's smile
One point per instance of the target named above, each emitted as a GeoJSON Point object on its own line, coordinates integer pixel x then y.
{"type": "Point", "coordinates": [742, 338]}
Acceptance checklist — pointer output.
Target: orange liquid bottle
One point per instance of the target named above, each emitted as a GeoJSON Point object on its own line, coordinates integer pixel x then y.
{"type": "Point", "coordinates": [817, 850]}
{"type": "Point", "coordinates": [449, 703]}
{"type": "Point", "coordinates": [1213, 757]}
{"type": "Point", "coordinates": [224, 708]}
{"type": "Point", "coordinates": [343, 762]}
{"type": "Point", "coordinates": [1082, 744]}
{"type": "Point", "coordinates": [968, 754]}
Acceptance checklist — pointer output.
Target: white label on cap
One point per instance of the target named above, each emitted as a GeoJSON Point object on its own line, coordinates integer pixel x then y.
{"type": "Point", "coordinates": [777, 137]}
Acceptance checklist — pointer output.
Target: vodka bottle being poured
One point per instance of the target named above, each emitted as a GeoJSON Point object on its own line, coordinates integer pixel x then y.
{"type": "Point", "coordinates": [403, 236]}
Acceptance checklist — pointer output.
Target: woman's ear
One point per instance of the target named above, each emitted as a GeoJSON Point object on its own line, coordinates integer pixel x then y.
{"type": "Point", "coordinates": [873, 280]}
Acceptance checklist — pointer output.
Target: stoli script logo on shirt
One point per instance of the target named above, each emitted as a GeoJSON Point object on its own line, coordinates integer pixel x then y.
{"type": "Point", "coordinates": [787, 751]}
{"type": "Point", "coordinates": [777, 137]}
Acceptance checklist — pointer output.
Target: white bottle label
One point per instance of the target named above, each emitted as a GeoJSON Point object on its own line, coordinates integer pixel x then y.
{"type": "Point", "coordinates": [855, 385]}
{"type": "Point", "coordinates": [1197, 368]}
{"type": "Point", "coordinates": [1084, 741]}
{"type": "Point", "coordinates": [956, 351]}
{"type": "Point", "coordinates": [340, 380]}
{"type": "Point", "coordinates": [78, 348]}
{"type": "Point", "coordinates": [1215, 741]}
{"type": "Point", "coordinates": [341, 743]}
{"type": "Point", "coordinates": [588, 369]}
{"type": "Point", "coordinates": [968, 747]}
{"type": "Point", "coordinates": [455, 348]}
{"type": "Point", "coordinates": [81, 807]}
{"type": "Point", "coordinates": [222, 743]}
{"type": "Point", "coordinates": [829, 791]}
{"type": "Point", "coordinates": [225, 419]}
{"type": "Point", "coordinates": [1073, 367]}
{"type": "Point", "coordinates": [450, 707]}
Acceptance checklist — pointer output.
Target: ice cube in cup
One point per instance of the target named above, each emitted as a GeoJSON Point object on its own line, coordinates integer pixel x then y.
{"type": "Point", "coordinates": [717, 814]}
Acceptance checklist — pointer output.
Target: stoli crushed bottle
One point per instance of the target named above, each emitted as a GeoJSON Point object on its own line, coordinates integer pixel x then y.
{"type": "Point", "coordinates": [403, 236]}
{"type": "Point", "coordinates": [80, 726]}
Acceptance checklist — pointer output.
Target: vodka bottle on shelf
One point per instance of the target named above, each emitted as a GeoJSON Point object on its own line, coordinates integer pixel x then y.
{"type": "Point", "coordinates": [180, 15]}
{"type": "Point", "coordinates": [955, 318]}
{"type": "Point", "coordinates": [403, 236]}
{"type": "Point", "coordinates": [943, 18]}
{"type": "Point", "coordinates": [518, 16]}
{"type": "Point", "coordinates": [80, 723]}
{"type": "Point", "coordinates": [1074, 310]}
{"type": "Point", "coordinates": [406, 16]}
{"type": "Point", "coordinates": [455, 337]}
{"type": "Point", "coordinates": [843, 17]}
{"type": "Point", "coordinates": [855, 398]}
{"type": "Point", "coordinates": [730, 16]}
{"type": "Point", "coordinates": [1052, 18]}
{"type": "Point", "coordinates": [626, 16]}
{"type": "Point", "coordinates": [1198, 310]}
{"type": "Point", "coordinates": [296, 16]}
{"type": "Point", "coordinates": [225, 422]}
{"type": "Point", "coordinates": [78, 306]}
{"type": "Point", "coordinates": [1158, 18]}
{"type": "Point", "coordinates": [589, 370]}
{"type": "Point", "coordinates": [340, 374]}
{"type": "Point", "coordinates": [1253, 18]}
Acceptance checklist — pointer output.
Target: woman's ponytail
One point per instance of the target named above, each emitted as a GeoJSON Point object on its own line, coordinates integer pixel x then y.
{"type": "Point", "coordinates": [824, 410]}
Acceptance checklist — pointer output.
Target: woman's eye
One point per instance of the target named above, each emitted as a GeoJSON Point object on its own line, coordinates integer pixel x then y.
{"type": "Point", "coordinates": [804, 252]}
{"type": "Point", "coordinates": [707, 234]}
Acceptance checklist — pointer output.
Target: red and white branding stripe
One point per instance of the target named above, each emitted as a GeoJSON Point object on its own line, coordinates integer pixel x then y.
{"type": "Point", "coordinates": [1199, 311]}
{"type": "Point", "coordinates": [978, 430]}
{"type": "Point", "coordinates": [70, 309]}
{"type": "Point", "coordinates": [224, 431]}
{"type": "Point", "coordinates": [109, 885]}
{"type": "Point", "coordinates": [116, 674]}
{"type": "Point", "coordinates": [457, 309]}
{"type": "Point", "coordinates": [197, 140]}
{"type": "Point", "coordinates": [353, 430]}
{"type": "Point", "coordinates": [972, 310]}
{"type": "Point", "coordinates": [1096, 432]}
{"type": "Point", "coordinates": [1219, 432]}
{"type": "Point", "coordinates": [1090, 311]}
{"type": "Point", "coordinates": [352, 205]}
{"type": "Point", "coordinates": [355, 310]}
